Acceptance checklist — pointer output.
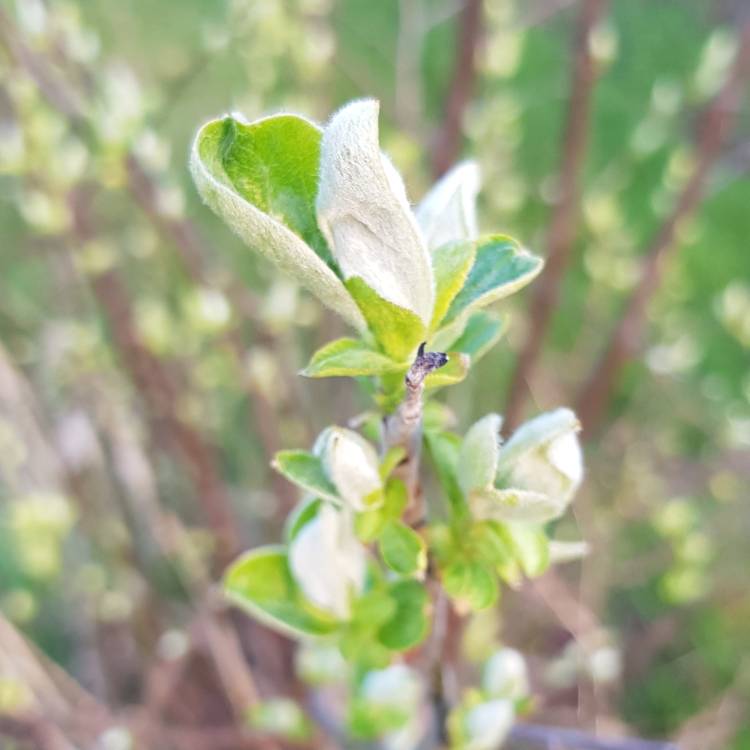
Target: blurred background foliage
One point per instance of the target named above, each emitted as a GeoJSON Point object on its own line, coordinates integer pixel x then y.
{"type": "Point", "coordinates": [142, 343]}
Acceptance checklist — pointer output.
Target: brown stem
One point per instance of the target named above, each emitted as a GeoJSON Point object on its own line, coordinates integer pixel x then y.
{"type": "Point", "coordinates": [714, 128]}
{"type": "Point", "coordinates": [537, 737]}
{"type": "Point", "coordinates": [564, 221]}
{"type": "Point", "coordinates": [158, 390]}
{"type": "Point", "coordinates": [448, 140]}
{"type": "Point", "coordinates": [404, 428]}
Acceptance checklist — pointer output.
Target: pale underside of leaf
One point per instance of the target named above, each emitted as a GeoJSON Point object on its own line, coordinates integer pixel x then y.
{"type": "Point", "coordinates": [263, 232]}
{"type": "Point", "coordinates": [365, 216]}
{"type": "Point", "coordinates": [448, 212]}
{"type": "Point", "coordinates": [479, 452]}
{"type": "Point", "coordinates": [515, 505]}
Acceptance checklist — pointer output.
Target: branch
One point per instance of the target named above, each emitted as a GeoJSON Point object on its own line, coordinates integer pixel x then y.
{"type": "Point", "coordinates": [448, 140]}
{"type": "Point", "coordinates": [564, 221]}
{"type": "Point", "coordinates": [714, 128]}
{"type": "Point", "coordinates": [557, 738]}
{"type": "Point", "coordinates": [404, 428]}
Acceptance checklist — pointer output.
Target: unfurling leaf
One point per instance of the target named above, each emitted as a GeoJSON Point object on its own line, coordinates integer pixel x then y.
{"type": "Point", "coordinates": [448, 212]}
{"type": "Point", "coordinates": [261, 180]}
{"type": "Point", "coordinates": [328, 562]}
{"type": "Point", "coordinates": [353, 467]}
{"type": "Point", "coordinates": [365, 215]}
{"type": "Point", "coordinates": [479, 452]}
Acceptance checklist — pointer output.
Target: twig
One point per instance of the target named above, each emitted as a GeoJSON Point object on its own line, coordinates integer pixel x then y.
{"type": "Point", "coordinates": [404, 428]}
{"type": "Point", "coordinates": [714, 128]}
{"type": "Point", "coordinates": [564, 222]}
{"type": "Point", "coordinates": [448, 140]}
{"type": "Point", "coordinates": [557, 738]}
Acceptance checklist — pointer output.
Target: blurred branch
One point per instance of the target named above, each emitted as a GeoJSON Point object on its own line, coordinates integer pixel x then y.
{"type": "Point", "coordinates": [536, 737]}
{"type": "Point", "coordinates": [448, 140]}
{"type": "Point", "coordinates": [180, 232]}
{"type": "Point", "coordinates": [157, 389]}
{"type": "Point", "coordinates": [625, 339]}
{"type": "Point", "coordinates": [564, 221]}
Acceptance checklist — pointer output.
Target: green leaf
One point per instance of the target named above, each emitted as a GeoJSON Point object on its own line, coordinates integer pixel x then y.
{"type": "Point", "coordinates": [453, 372]}
{"type": "Point", "coordinates": [472, 584]}
{"type": "Point", "coordinates": [373, 609]}
{"type": "Point", "coordinates": [402, 549]}
{"type": "Point", "coordinates": [501, 268]}
{"type": "Point", "coordinates": [393, 457]}
{"type": "Point", "coordinates": [300, 515]}
{"type": "Point", "coordinates": [409, 625]}
{"type": "Point", "coordinates": [482, 332]}
{"type": "Point", "coordinates": [450, 264]}
{"type": "Point", "coordinates": [397, 330]}
{"type": "Point", "coordinates": [478, 456]}
{"type": "Point", "coordinates": [369, 525]}
{"type": "Point", "coordinates": [261, 179]}
{"type": "Point", "coordinates": [443, 448]}
{"type": "Point", "coordinates": [348, 358]}
{"type": "Point", "coordinates": [530, 546]}
{"type": "Point", "coordinates": [306, 471]}
{"type": "Point", "coordinates": [261, 583]}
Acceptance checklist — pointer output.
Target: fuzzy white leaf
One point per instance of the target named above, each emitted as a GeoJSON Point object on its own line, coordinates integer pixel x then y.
{"type": "Point", "coordinates": [448, 212]}
{"type": "Point", "coordinates": [505, 675]}
{"type": "Point", "coordinates": [270, 237]}
{"type": "Point", "coordinates": [477, 459]}
{"type": "Point", "coordinates": [543, 457]}
{"type": "Point", "coordinates": [365, 215]}
{"type": "Point", "coordinates": [352, 465]}
{"type": "Point", "coordinates": [488, 724]}
{"type": "Point", "coordinates": [514, 505]}
{"type": "Point", "coordinates": [327, 561]}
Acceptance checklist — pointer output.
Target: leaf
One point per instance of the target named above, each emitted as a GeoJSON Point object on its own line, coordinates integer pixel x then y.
{"type": "Point", "coordinates": [448, 212]}
{"type": "Point", "coordinates": [348, 358]}
{"type": "Point", "coordinates": [451, 264]}
{"type": "Point", "coordinates": [398, 330]}
{"type": "Point", "coordinates": [260, 179]}
{"type": "Point", "coordinates": [477, 459]}
{"type": "Point", "coordinates": [501, 268]}
{"type": "Point", "coordinates": [450, 374]}
{"type": "Point", "coordinates": [369, 525]}
{"type": "Point", "coordinates": [530, 546]}
{"type": "Point", "coordinates": [402, 549]}
{"type": "Point", "coordinates": [393, 457]}
{"type": "Point", "coordinates": [261, 583]}
{"type": "Point", "coordinates": [443, 448]}
{"type": "Point", "coordinates": [471, 584]}
{"type": "Point", "coordinates": [302, 513]}
{"type": "Point", "coordinates": [306, 471]}
{"type": "Point", "coordinates": [483, 330]}
{"type": "Point", "coordinates": [515, 505]}
{"type": "Point", "coordinates": [365, 215]}
{"type": "Point", "coordinates": [409, 625]}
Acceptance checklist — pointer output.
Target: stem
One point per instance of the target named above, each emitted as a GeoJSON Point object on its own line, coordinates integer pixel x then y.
{"type": "Point", "coordinates": [404, 428]}
{"type": "Point", "coordinates": [564, 222]}
{"type": "Point", "coordinates": [716, 124]}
